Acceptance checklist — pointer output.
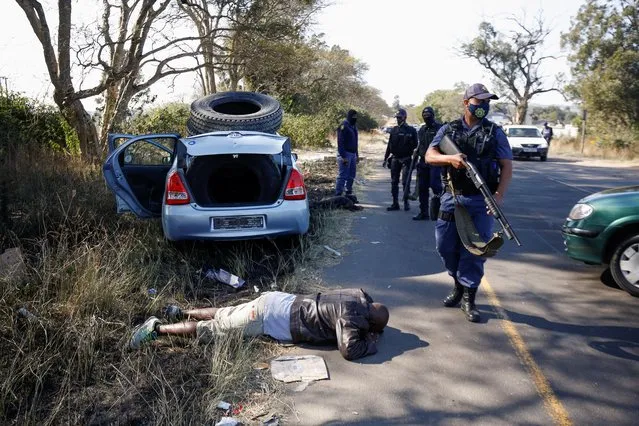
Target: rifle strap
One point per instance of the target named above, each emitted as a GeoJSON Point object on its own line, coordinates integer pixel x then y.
{"type": "Point", "coordinates": [470, 238]}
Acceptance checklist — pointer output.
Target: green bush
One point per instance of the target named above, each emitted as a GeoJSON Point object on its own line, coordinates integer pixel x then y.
{"type": "Point", "coordinates": [308, 130]}
{"type": "Point", "coordinates": [168, 118]}
{"type": "Point", "coordinates": [26, 122]}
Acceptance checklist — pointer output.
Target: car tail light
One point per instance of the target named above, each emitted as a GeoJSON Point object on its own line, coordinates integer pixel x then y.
{"type": "Point", "coordinates": [176, 193]}
{"type": "Point", "coordinates": [295, 189]}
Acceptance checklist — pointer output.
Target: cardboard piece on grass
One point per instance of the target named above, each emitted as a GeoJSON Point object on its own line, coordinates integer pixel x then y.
{"type": "Point", "coordinates": [12, 263]}
{"type": "Point", "coordinates": [305, 368]}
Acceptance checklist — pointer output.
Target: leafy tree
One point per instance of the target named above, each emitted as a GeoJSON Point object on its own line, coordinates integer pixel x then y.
{"type": "Point", "coordinates": [169, 118]}
{"type": "Point", "coordinates": [514, 60]}
{"type": "Point", "coordinates": [604, 46]}
{"type": "Point", "coordinates": [446, 103]}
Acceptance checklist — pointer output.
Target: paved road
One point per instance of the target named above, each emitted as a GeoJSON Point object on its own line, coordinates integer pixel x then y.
{"type": "Point", "coordinates": [569, 350]}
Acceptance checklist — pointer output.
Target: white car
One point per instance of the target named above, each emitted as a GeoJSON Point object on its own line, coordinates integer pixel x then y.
{"type": "Point", "coordinates": [526, 141]}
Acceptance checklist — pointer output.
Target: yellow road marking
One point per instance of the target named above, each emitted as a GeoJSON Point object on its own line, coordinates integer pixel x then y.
{"type": "Point", "coordinates": [553, 406]}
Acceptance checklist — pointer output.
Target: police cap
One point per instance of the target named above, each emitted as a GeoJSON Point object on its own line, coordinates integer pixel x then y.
{"type": "Point", "coordinates": [479, 91]}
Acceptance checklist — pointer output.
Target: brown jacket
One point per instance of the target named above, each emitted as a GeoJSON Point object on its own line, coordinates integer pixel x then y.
{"type": "Point", "coordinates": [336, 315]}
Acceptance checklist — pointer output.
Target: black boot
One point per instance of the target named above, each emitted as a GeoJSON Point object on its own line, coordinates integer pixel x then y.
{"type": "Point", "coordinates": [455, 296]}
{"type": "Point", "coordinates": [394, 206]}
{"type": "Point", "coordinates": [406, 206]}
{"type": "Point", "coordinates": [421, 216]}
{"type": "Point", "coordinates": [468, 305]}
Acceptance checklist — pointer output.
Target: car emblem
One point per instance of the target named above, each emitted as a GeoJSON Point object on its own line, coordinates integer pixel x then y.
{"type": "Point", "coordinates": [191, 142]}
{"type": "Point", "coordinates": [235, 135]}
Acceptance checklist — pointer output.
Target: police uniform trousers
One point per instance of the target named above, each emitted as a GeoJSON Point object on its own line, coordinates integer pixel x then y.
{"type": "Point", "coordinates": [399, 166]}
{"type": "Point", "coordinates": [346, 173]}
{"type": "Point", "coordinates": [428, 177]}
{"type": "Point", "coordinates": [467, 268]}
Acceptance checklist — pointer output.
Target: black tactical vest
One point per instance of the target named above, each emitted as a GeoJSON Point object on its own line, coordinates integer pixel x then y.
{"type": "Point", "coordinates": [480, 147]}
{"type": "Point", "coordinates": [402, 141]}
{"type": "Point", "coordinates": [426, 135]}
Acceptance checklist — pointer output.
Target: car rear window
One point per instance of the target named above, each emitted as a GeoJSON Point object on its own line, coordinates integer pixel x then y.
{"type": "Point", "coordinates": [523, 133]}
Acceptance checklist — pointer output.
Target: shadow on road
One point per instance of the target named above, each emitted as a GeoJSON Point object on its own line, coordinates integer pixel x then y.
{"type": "Point", "coordinates": [392, 343]}
{"type": "Point", "coordinates": [620, 338]}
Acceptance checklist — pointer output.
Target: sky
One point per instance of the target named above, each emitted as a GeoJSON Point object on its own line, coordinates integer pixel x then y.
{"type": "Point", "coordinates": [408, 45]}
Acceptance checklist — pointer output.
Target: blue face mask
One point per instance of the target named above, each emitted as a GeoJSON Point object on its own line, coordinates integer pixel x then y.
{"type": "Point", "coordinates": [480, 111]}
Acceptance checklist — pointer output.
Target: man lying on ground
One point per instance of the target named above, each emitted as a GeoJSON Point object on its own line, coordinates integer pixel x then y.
{"type": "Point", "coordinates": [347, 316]}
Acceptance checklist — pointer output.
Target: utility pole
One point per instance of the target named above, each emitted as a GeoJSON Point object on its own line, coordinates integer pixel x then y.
{"type": "Point", "coordinates": [583, 130]}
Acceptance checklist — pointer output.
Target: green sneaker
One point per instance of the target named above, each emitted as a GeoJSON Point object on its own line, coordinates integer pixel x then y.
{"type": "Point", "coordinates": [144, 333]}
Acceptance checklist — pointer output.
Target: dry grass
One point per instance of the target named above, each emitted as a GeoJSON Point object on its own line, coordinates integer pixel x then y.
{"type": "Point", "coordinates": [87, 280]}
{"type": "Point", "coordinates": [591, 149]}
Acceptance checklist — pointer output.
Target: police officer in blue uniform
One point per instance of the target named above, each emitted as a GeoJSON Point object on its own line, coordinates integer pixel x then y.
{"type": "Point", "coordinates": [428, 176]}
{"type": "Point", "coordinates": [347, 154]}
{"type": "Point", "coordinates": [484, 144]}
{"type": "Point", "coordinates": [401, 144]}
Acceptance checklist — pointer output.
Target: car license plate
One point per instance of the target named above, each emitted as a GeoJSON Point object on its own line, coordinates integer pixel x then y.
{"type": "Point", "coordinates": [237, 222]}
{"type": "Point", "coordinates": [530, 149]}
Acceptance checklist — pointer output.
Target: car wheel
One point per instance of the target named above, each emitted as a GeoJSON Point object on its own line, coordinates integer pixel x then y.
{"type": "Point", "coordinates": [543, 158]}
{"type": "Point", "coordinates": [624, 265]}
{"type": "Point", "coordinates": [235, 111]}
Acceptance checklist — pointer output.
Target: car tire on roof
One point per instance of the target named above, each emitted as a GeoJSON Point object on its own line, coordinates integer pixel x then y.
{"type": "Point", "coordinates": [228, 111]}
{"type": "Point", "coordinates": [624, 265]}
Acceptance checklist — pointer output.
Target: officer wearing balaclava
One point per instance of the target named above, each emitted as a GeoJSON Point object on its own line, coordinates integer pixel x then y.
{"type": "Point", "coordinates": [347, 154]}
{"type": "Point", "coordinates": [401, 144]}
{"type": "Point", "coordinates": [428, 176]}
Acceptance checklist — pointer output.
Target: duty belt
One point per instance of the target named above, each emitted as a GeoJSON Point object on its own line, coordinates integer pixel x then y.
{"type": "Point", "coordinates": [460, 192]}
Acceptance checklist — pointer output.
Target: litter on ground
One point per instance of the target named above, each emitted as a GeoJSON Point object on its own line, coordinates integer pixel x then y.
{"type": "Point", "coordinates": [335, 252]}
{"type": "Point", "coordinates": [222, 276]}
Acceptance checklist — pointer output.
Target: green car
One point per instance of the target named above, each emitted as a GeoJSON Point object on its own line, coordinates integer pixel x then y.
{"type": "Point", "coordinates": [603, 228]}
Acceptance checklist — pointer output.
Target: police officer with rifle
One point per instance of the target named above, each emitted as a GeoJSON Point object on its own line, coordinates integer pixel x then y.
{"type": "Point", "coordinates": [428, 176]}
{"type": "Point", "coordinates": [401, 144]}
{"type": "Point", "coordinates": [475, 178]}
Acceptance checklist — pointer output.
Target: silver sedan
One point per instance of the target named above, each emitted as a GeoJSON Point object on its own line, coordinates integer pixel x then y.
{"type": "Point", "coordinates": [226, 185]}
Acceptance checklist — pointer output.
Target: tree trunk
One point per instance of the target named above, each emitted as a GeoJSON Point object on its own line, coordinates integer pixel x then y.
{"type": "Point", "coordinates": [80, 120]}
{"type": "Point", "coordinates": [116, 104]}
{"type": "Point", "coordinates": [520, 111]}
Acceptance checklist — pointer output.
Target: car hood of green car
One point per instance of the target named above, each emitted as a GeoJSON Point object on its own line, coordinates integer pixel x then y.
{"type": "Point", "coordinates": [616, 206]}
{"type": "Point", "coordinates": [626, 193]}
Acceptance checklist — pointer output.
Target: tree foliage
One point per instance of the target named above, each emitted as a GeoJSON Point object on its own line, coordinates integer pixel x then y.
{"type": "Point", "coordinates": [447, 103]}
{"type": "Point", "coordinates": [604, 46]}
{"type": "Point", "coordinates": [515, 61]}
{"type": "Point", "coordinates": [168, 118]}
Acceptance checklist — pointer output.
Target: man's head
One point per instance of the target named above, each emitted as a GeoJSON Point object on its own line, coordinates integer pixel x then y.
{"type": "Point", "coordinates": [428, 114]}
{"type": "Point", "coordinates": [477, 101]}
{"type": "Point", "coordinates": [546, 124]}
{"type": "Point", "coordinates": [401, 115]}
{"type": "Point", "coordinates": [378, 317]}
{"type": "Point", "coordinates": [351, 117]}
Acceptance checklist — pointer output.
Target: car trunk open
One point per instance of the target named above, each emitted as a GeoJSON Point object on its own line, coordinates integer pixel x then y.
{"type": "Point", "coordinates": [236, 179]}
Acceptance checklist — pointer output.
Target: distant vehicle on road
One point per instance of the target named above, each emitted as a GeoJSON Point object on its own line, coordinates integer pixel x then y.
{"type": "Point", "coordinates": [214, 185]}
{"type": "Point", "coordinates": [526, 142]}
{"type": "Point", "coordinates": [603, 228]}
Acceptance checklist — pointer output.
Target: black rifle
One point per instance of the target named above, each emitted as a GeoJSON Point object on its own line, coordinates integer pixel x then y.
{"type": "Point", "coordinates": [448, 147]}
{"type": "Point", "coordinates": [409, 177]}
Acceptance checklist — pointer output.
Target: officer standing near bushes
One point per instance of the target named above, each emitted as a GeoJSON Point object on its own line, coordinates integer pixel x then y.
{"type": "Point", "coordinates": [401, 144]}
{"type": "Point", "coordinates": [428, 176]}
{"type": "Point", "coordinates": [347, 154]}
